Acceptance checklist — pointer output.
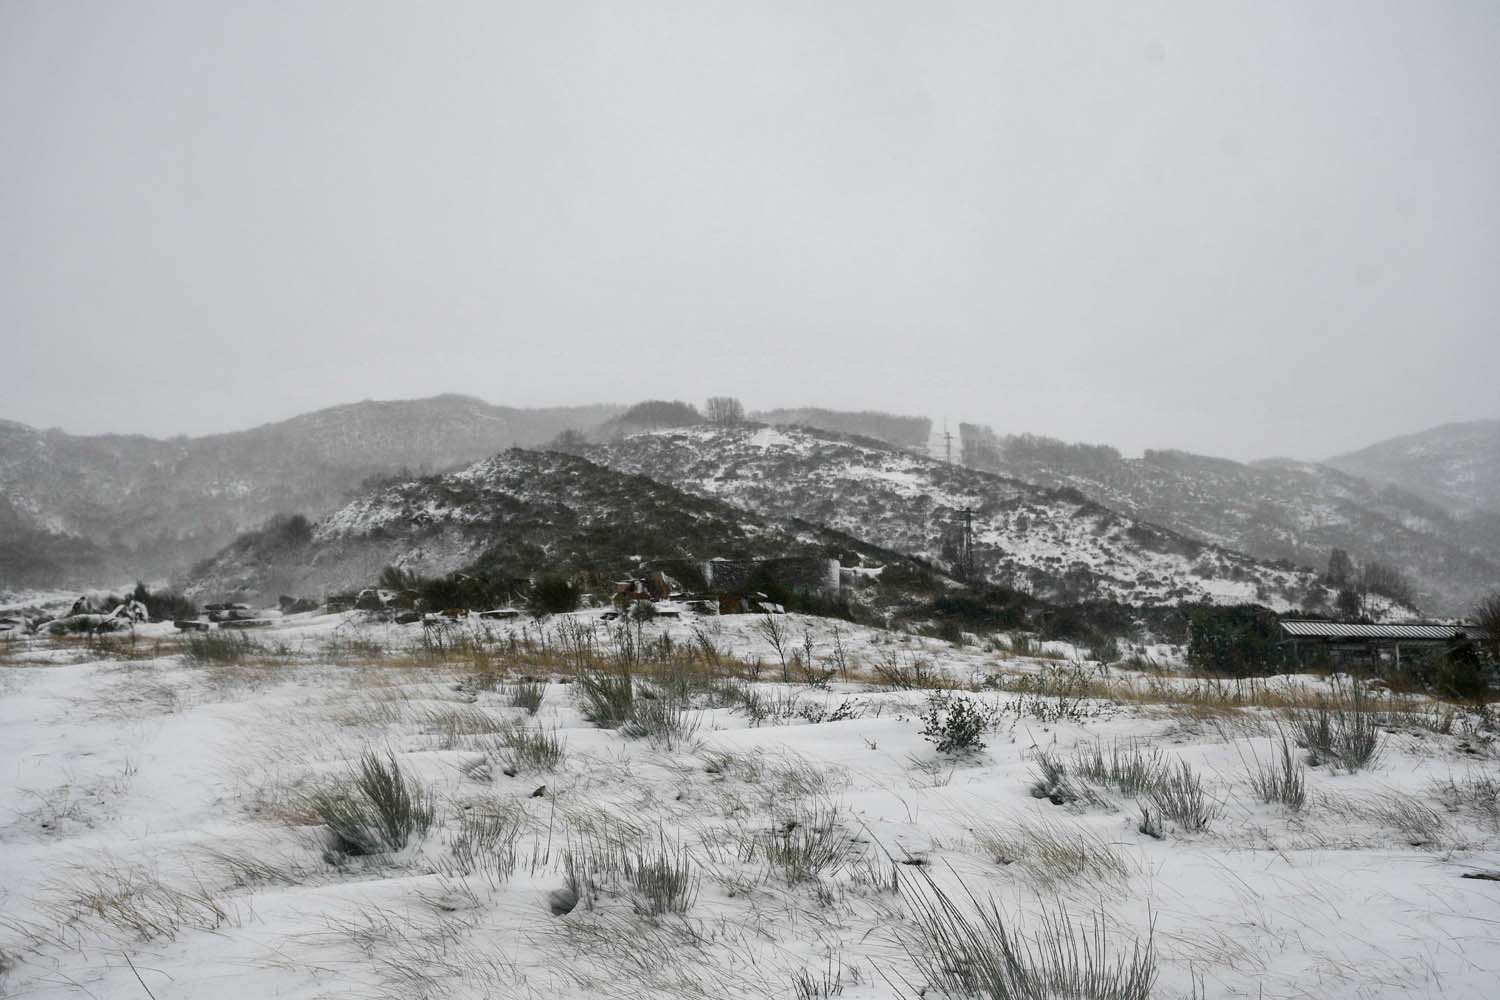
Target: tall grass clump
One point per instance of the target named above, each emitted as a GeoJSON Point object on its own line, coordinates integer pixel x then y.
{"type": "Point", "coordinates": [485, 841]}
{"type": "Point", "coordinates": [657, 716]}
{"type": "Point", "coordinates": [605, 699]}
{"type": "Point", "coordinates": [1131, 768]}
{"type": "Point", "coordinates": [974, 951]}
{"type": "Point", "coordinates": [1344, 731]}
{"type": "Point", "coordinates": [663, 879]}
{"type": "Point", "coordinates": [1050, 853]}
{"type": "Point", "coordinates": [1282, 779]}
{"type": "Point", "coordinates": [221, 647]}
{"type": "Point", "coordinates": [527, 693]}
{"type": "Point", "coordinates": [1181, 798]}
{"type": "Point", "coordinates": [525, 749]}
{"type": "Point", "coordinates": [377, 809]}
{"type": "Point", "coordinates": [1054, 782]}
{"type": "Point", "coordinates": [807, 844]}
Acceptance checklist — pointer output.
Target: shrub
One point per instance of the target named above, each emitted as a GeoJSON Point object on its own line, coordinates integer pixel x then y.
{"type": "Point", "coordinates": [955, 724]}
{"type": "Point", "coordinates": [552, 595]}
{"type": "Point", "coordinates": [662, 413]}
{"type": "Point", "coordinates": [377, 810]}
{"type": "Point", "coordinates": [1387, 581]}
{"type": "Point", "coordinates": [1487, 617]}
{"type": "Point", "coordinates": [164, 606]}
{"type": "Point", "coordinates": [1457, 671]}
{"type": "Point", "coordinates": [1239, 641]}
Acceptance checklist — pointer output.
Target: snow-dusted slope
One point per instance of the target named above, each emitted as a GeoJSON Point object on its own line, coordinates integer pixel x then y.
{"type": "Point", "coordinates": [1277, 509]}
{"type": "Point", "coordinates": [516, 513]}
{"type": "Point", "coordinates": [1456, 465]}
{"type": "Point", "coordinates": [1055, 544]}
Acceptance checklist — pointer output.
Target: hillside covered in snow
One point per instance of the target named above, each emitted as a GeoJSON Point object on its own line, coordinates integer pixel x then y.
{"type": "Point", "coordinates": [1276, 509]}
{"type": "Point", "coordinates": [1455, 465]}
{"type": "Point", "coordinates": [1056, 544]}
{"type": "Point", "coordinates": [515, 514]}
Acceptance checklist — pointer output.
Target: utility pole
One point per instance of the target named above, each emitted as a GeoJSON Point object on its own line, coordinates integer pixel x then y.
{"type": "Point", "coordinates": [966, 554]}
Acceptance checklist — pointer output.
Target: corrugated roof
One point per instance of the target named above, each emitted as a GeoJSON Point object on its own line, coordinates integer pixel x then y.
{"type": "Point", "coordinates": [1348, 630]}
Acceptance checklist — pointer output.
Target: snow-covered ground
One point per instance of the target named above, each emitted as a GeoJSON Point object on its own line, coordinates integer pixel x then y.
{"type": "Point", "coordinates": [156, 838]}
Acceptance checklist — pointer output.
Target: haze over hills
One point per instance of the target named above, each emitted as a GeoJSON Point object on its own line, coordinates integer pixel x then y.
{"type": "Point", "coordinates": [1276, 509]}
{"type": "Point", "coordinates": [1455, 465]}
{"type": "Point", "coordinates": [85, 506]}
{"type": "Point", "coordinates": [78, 509]}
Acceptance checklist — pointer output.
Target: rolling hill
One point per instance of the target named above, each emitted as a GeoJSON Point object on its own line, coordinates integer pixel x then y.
{"type": "Point", "coordinates": [1276, 510]}
{"type": "Point", "coordinates": [1055, 544]}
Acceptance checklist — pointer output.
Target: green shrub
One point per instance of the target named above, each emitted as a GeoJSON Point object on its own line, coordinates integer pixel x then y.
{"type": "Point", "coordinates": [955, 724]}
{"type": "Point", "coordinates": [165, 605]}
{"type": "Point", "coordinates": [552, 595]}
{"type": "Point", "coordinates": [1239, 641]}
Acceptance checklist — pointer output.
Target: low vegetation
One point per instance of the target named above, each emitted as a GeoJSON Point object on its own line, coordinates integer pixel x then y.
{"type": "Point", "coordinates": [375, 809]}
{"type": "Point", "coordinates": [969, 948]}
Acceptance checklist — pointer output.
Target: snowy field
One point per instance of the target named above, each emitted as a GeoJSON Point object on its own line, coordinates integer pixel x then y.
{"type": "Point", "coordinates": [164, 822]}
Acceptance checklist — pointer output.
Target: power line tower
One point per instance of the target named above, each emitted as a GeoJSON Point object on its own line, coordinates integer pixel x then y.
{"type": "Point", "coordinates": [947, 443]}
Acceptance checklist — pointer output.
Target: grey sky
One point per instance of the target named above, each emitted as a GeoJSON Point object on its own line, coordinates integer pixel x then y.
{"type": "Point", "coordinates": [1245, 229]}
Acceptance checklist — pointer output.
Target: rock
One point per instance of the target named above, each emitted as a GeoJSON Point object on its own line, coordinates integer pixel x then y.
{"type": "Point", "coordinates": [541, 790]}
{"type": "Point", "coordinates": [194, 626]}
{"type": "Point", "coordinates": [562, 901]}
{"type": "Point", "coordinates": [131, 611]}
{"type": "Point", "coordinates": [369, 600]}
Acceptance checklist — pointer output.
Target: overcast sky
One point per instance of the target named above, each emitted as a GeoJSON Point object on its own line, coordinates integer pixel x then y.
{"type": "Point", "coordinates": [1244, 229]}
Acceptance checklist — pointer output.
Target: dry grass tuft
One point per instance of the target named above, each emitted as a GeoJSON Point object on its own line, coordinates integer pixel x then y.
{"type": "Point", "coordinates": [1051, 853]}
{"type": "Point", "coordinates": [973, 950]}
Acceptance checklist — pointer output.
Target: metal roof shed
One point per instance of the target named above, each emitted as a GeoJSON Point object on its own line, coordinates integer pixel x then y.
{"type": "Point", "coordinates": [1368, 640]}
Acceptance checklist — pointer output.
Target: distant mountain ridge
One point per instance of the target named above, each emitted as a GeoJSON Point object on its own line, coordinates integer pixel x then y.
{"type": "Point", "coordinates": [1455, 465]}
{"type": "Point", "coordinates": [145, 505]}
{"type": "Point", "coordinates": [1276, 509]}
